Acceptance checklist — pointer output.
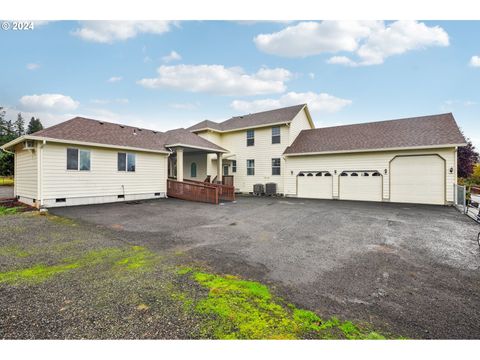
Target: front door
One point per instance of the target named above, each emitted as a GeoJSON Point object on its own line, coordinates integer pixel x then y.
{"type": "Point", "coordinates": [225, 170]}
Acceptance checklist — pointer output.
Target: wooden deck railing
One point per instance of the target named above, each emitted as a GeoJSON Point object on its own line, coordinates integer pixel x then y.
{"type": "Point", "coordinates": [193, 191]}
{"type": "Point", "coordinates": [225, 192]}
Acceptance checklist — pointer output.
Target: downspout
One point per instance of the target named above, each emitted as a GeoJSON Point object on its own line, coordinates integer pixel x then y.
{"type": "Point", "coordinates": [40, 173]}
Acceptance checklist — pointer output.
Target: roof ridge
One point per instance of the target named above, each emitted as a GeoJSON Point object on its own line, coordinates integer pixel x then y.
{"type": "Point", "coordinates": [382, 121]}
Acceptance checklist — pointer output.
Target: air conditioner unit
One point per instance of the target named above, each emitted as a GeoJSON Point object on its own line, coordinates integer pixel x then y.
{"type": "Point", "coordinates": [29, 145]}
{"type": "Point", "coordinates": [270, 189]}
{"type": "Point", "coordinates": [258, 189]}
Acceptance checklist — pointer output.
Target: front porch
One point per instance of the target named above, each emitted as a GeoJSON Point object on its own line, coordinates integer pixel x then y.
{"type": "Point", "coordinates": [192, 177]}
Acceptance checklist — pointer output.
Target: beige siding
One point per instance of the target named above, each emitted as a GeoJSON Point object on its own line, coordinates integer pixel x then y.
{"type": "Point", "coordinates": [200, 160]}
{"type": "Point", "coordinates": [299, 123]}
{"type": "Point", "coordinates": [379, 161]}
{"type": "Point", "coordinates": [103, 180]}
{"type": "Point", "coordinates": [26, 172]}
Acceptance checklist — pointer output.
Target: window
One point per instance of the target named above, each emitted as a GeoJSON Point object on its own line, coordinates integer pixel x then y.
{"type": "Point", "coordinates": [354, 174]}
{"type": "Point", "coordinates": [130, 162]}
{"type": "Point", "coordinates": [84, 160]}
{"type": "Point", "coordinates": [276, 166]}
{"type": "Point", "coordinates": [234, 166]}
{"type": "Point", "coordinates": [193, 170]}
{"type": "Point", "coordinates": [366, 174]}
{"type": "Point", "coordinates": [250, 167]}
{"type": "Point", "coordinates": [309, 174]}
{"type": "Point", "coordinates": [343, 174]}
{"type": "Point", "coordinates": [250, 137]}
{"type": "Point", "coordinates": [77, 157]}
{"type": "Point", "coordinates": [376, 174]}
{"type": "Point", "coordinates": [126, 162]}
{"type": "Point", "coordinates": [327, 174]}
{"type": "Point", "coordinates": [72, 159]}
{"type": "Point", "coordinates": [276, 135]}
{"type": "Point", "coordinates": [319, 174]}
{"type": "Point", "coordinates": [121, 161]}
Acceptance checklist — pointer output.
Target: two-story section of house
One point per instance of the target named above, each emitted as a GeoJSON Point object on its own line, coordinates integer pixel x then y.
{"type": "Point", "coordinates": [255, 145]}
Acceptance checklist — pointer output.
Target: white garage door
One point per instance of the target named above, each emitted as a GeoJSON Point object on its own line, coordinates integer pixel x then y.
{"type": "Point", "coordinates": [361, 186]}
{"type": "Point", "coordinates": [315, 185]}
{"type": "Point", "coordinates": [418, 179]}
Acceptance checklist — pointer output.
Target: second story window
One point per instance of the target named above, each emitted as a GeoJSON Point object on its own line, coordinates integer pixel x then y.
{"type": "Point", "coordinates": [126, 162]}
{"type": "Point", "coordinates": [250, 137]}
{"type": "Point", "coordinates": [78, 159]}
{"type": "Point", "coordinates": [276, 135]}
{"type": "Point", "coordinates": [234, 166]}
{"type": "Point", "coordinates": [250, 167]}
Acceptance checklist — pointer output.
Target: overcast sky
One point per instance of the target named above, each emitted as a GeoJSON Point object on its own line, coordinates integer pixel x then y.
{"type": "Point", "coordinates": [164, 75]}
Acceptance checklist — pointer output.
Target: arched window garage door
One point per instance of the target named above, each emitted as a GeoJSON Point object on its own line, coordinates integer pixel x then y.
{"type": "Point", "coordinates": [315, 184]}
{"type": "Point", "coordinates": [418, 179]}
{"type": "Point", "coordinates": [360, 185]}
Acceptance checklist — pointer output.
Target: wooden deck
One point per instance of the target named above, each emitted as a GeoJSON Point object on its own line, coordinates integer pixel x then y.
{"type": "Point", "coordinates": [200, 191]}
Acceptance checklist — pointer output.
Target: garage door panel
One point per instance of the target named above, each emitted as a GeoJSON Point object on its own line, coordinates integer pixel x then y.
{"type": "Point", "coordinates": [360, 188]}
{"type": "Point", "coordinates": [418, 179]}
{"type": "Point", "coordinates": [314, 187]}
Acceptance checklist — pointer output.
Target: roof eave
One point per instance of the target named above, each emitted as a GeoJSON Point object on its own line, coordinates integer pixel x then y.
{"type": "Point", "coordinates": [84, 143]}
{"type": "Point", "coordinates": [222, 150]}
{"type": "Point", "coordinates": [375, 150]}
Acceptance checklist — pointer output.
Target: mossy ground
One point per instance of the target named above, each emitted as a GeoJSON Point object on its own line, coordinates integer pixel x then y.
{"type": "Point", "coordinates": [133, 292]}
{"type": "Point", "coordinates": [244, 309]}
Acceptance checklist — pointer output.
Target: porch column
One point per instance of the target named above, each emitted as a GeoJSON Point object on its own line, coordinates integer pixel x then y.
{"type": "Point", "coordinates": [179, 164]}
{"type": "Point", "coordinates": [219, 167]}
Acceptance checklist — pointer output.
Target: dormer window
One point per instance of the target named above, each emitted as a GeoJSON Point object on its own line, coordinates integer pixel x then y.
{"type": "Point", "coordinates": [276, 135]}
{"type": "Point", "coordinates": [250, 137]}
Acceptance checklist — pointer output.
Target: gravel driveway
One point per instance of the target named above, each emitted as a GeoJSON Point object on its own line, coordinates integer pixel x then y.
{"type": "Point", "coordinates": [409, 269]}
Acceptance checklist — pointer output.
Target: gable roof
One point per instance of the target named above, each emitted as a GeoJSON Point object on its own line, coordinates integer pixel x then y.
{"type": "Point", "coordinates": [423, 131]}
{"type": "Point", "coordinates": [277, 116]}
{"type": "Point", "coordinates": [83, 130]}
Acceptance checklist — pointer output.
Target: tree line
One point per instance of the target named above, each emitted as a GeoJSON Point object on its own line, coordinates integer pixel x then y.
{"type": "Point", "coordinates": [10, 130]}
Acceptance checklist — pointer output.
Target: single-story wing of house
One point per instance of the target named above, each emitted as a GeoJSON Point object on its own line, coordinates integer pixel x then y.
{"type": "Point", "coordinates": [86, 161]}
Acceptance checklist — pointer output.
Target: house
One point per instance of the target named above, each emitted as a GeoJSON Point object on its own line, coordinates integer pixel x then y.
{"type": "Point", "coordinates": [84, 161]}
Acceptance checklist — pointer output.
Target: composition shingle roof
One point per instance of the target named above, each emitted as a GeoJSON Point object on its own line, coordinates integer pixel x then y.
{"type": "Point", "coordinates": [102, 132]}
{"type": "Point", "coordinates": [433, 130]}
{"type": "Point", "coordinates": [285, 114]}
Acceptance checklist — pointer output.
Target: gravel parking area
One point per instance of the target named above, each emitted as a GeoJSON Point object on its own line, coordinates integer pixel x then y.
{"type": "Point", "coordinates": [409, 269]}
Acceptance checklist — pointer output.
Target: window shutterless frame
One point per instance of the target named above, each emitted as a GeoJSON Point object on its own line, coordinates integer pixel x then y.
{"type": "Point", "coordinates": [126, 162]}
{"type": "Point", "coordinates": [250, 137]}
{"type": "Point", "coordinates": [250, 167]}
{"type": "Point", "coordinates": [276, 166]}
{"type": "Point", "coordinates": [78, 160]}
{"type": "Point", "coordinates": [276, 135]}
{"type": "Point", "coordinates": [234, 166]}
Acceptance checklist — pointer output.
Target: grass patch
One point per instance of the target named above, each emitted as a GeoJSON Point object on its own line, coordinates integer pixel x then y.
{"type": "Point", "coordinates": [13, 251]}
{"type": "Point", "coordinates": [244, 309]}
{"type": "Point", "coordinates": [8, 210]}
{"type": "Point", "coordinates": [133, 258]}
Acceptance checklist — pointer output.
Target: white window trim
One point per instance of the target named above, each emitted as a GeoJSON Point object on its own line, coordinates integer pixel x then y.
{"type": "Point", "coordinates": [78, 160]}
{"type": "Point", "coordinates": [126, 162]}
{"type": "Point", "coordinates": [279, 167]}
{"type": "Point", "coordinates": [251, 167]}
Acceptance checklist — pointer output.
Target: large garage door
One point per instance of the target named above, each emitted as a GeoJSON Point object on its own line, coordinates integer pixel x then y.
{"type": "Point", "coordinates": [360, 185]}
{"type": "Point", "coordinates": [417, 179]}
{"type": "Point", "coordinates": [314, 184]}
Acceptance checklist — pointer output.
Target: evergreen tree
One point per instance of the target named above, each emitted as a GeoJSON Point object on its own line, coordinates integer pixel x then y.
{"type": "Point", "coordinates": [19, 125]}
{"type": "Point", "coordinates": [34, 125]}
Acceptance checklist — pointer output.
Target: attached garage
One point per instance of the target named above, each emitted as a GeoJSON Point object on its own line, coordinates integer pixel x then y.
{"type": "Point", "coordinates": [418, 179]}
{"type": "Point", "coordinates": [315, 184]}
{"type": "Point", "coordinates": [360, 185]}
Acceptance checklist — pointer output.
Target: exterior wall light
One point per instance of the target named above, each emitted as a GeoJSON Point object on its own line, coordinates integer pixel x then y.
{"type": "Point", "coordinates": [451, 170]}
{"type": "Point", "coordinates": [385, 171]}
{"type": "Point", "coordinates": [335, 171]}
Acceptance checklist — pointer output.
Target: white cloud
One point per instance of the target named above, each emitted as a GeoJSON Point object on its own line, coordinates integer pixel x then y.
{"type": "Point", "coordinates": [371, 41]}
{"type": "Point", "coordinates": [311, 75]}
{"type": "Point", "coordinates": [49, 102]}
{"type": "Point", "coordinates": [173, 56]}
{"type": "Point", "coordinates": [114, 79]}
{"type": "Point", "coordinates": [33, 66]}
{"type": "Point", "coordinates": [475, 61]}
{"type": "Point", "coordinates": [218, 79]}
{"type": "Point", "coordinates": [320, 102]}
{"type": "Point", "coordinates": [111, 31]}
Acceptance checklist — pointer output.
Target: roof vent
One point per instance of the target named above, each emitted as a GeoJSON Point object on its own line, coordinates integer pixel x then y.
{"type": "Point", "coordinates": [101, 123]}
{"type": "Point", "coordinates": [123, 127]}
